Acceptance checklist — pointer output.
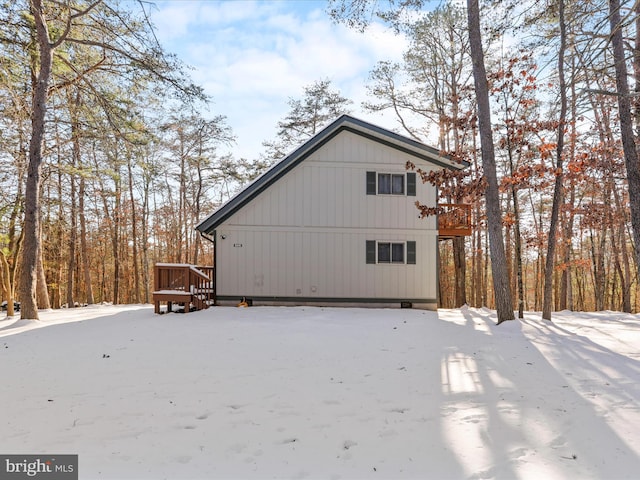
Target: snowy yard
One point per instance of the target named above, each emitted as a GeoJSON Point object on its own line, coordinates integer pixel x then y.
{"type": "Point", "coordinates": [324, 393]}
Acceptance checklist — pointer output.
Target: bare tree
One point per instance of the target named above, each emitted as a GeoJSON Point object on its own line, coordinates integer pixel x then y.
{"type": "Point", "coordinates": [558, 187]}
{"type": "Point", "coordinates": [501, 287]}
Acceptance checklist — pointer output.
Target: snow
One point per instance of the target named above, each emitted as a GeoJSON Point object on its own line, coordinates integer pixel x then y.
{"type": "Point", "coordinates": [173, 292]}
{"type": "Point", "coordinates": [324, 393]}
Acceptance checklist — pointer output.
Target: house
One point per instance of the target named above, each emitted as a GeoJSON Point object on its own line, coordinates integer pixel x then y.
{"type": "Point", "coordinates": [333, 223]}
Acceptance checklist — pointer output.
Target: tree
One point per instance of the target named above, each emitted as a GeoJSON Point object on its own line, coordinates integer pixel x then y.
{"type": "Point", "coordinates": [558, 184]}
{"type": "Point", "coordinates": [432, 86]}
{"type": "Point", "coordinates": [31, 243]}
{"type": "Point", "coordinates": [319, 106]}
{"type": "Point", "coordinates": [501, 287]}
{"type": "Point", "coordinates": [518, 128]}
{"type": "Point", "coordinates": [358, 13]}
{"type": "Point", "coordinates": [56, 26]}
{"type": "Point", "coordinates": [193, 143]}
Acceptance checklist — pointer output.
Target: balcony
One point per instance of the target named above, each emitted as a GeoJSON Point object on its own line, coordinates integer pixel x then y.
{"type": "Point", "coordinates": [454, 220]}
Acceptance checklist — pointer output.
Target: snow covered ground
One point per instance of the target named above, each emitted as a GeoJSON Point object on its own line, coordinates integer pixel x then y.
{"type": "Point", "coordinates": [324, 393]}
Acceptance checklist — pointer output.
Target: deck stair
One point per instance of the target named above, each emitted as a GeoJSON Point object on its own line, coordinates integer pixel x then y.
{"type": "Point", "coordinates": [189, 287]}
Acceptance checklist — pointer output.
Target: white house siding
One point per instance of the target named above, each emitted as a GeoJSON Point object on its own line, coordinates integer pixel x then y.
{"type": "Point", "coordinates": [305, 235]}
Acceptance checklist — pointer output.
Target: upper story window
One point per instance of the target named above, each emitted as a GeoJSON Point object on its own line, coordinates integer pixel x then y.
{"type": "Point", "coordinates": [379, 183]}
{"type": "Point", "coordinates": [390, 184]}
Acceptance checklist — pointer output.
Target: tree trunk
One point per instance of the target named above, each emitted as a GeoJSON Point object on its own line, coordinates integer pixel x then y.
{"type": "Point", "coordinates": [598, 266]}
{"type": "Point", "coordinates": [84, 252]}
{"type": "Point", "coordinates": [31, 244]}
{"type": "Point", "coordinates": [519, 286]}
{"type": "Point", "coordinates": [5, 283]}
{"type": "Point", "coordinates": [502, 290]}
{"type": "Point", "coordinates": [566, 294]}
{"type": "Point", "coordinates": [134, 240]}
{"type": "Point", "coordinates": [626, 123]}
{"type": "Point", "coordinates": [518, 253]}
{"type": "Point", "coordinates": [115, 238]}
{"type": "Point", "coordinates": [145, 236]}
{"type": "Point", "coordinates": [618, 230]}
{"type": "Point", "coordinates": [478, 255]}
{"type": "Point", "coordinates": [42, 292]}
{"type": "Point", "coordinates": [440, 283]}
{"type": "Point", "coordinates": [75, 161]}
{"type": "Point", "coordinates": [460, 265]}
{"type": "Point", "coordinates": [557, 189]}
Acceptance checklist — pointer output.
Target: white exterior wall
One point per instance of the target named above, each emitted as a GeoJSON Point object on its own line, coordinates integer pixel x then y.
{"type": "Point", "coordinates": [305, 235]}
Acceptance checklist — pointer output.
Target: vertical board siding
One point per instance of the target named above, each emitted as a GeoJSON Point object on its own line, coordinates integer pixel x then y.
{"type": "Point", "coordinates": [331, 192]}
{"type": "Point", "coordinates": [320, 264]}
{"type": "Point", "coordinates": [306, 234]}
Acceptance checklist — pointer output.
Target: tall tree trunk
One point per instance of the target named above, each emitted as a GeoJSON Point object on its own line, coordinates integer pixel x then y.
{"type": "Point", "coordinates": [134, 226]}
{"type": "Point", "coordinates": [145, 236]}
{"type": "Point", "coordinates": [509, 255]}
{"type": "Point", "coordinates": [75, 161]}
{"type": "Point", "coordinates": [460, 265]}
{"type": "Point", "coordinates": [84, 251]}
{"type": "Point", "coordinates": [59, 237]}
{"type": "Point", "coordinates": [566, 294]}
{"type": "Point", "coordinates": [625, 271]}
{"type": "Point", "coordinates": [478, 282]}
{"type": "Point", "coordinates": [115, 238]}
{"type": "Point", "coordinates": [598, 266]}
{"type": "Point", "coordinates": [566, 291]}
{"type": "Point", "coordinates": [518, 253]}
{"type": "Point", "coordinates": [557, 189]}
{"type": "Point", "coordinates": [440, 283]}
{"type": "Point", "coordinates": [5, 283]}
{"type": "Point", "coordinates": [519, 287]}
{"type": "Point", "coordinates": [502, 290]}
{"type": "Point", "coordinates": [42, 292]}
{"type": "Point", "coordinates": [31, 244]}
{"type": "Point", "coordinates": [636, 69]}
{"type": "Point", "coordinates": [626, 123]}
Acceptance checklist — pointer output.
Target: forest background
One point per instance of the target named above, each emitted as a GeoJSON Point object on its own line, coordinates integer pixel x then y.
{"type": "Point", "coordinates": [128, 157]}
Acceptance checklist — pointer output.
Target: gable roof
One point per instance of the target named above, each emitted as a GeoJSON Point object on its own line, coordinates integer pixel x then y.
{"type": "Point", "coordinates": [345, 122]}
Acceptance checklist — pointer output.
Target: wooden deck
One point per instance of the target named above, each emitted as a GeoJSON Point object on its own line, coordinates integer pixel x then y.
{"type": "Point", "coordinates": [189, 287]}
{"type": "Point", "coordinates": [454, 220]}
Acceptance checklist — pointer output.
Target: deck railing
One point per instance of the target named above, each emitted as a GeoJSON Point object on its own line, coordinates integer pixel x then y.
{"type": "Point", "coordinates": [454, 220]}
{"type": "Point", "coordinates": [187, 285]}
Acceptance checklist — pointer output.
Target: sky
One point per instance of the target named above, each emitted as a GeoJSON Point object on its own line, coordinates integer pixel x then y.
{"type": "Point", "coordinates": [251, 57]}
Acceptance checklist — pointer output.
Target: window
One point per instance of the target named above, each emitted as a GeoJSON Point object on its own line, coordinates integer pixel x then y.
{"type": "Point", "coordinates": [391, 184]}
{"type": "Point", "coordinates": [391, 252]}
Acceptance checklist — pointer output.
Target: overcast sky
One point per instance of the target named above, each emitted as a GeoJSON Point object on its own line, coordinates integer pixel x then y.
{"type": "Point", "coordinates": [252, 56]}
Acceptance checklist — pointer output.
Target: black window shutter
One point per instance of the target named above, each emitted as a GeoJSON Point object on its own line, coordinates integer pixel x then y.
{"type": "Point", "coordinates": [371, 183]}
{"type": "Point", "coordinates": [411, 184]}
{"type": "Point", "coordinates": [411, 252]}
{"type": "Point", "coordinates": [371, 251]}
